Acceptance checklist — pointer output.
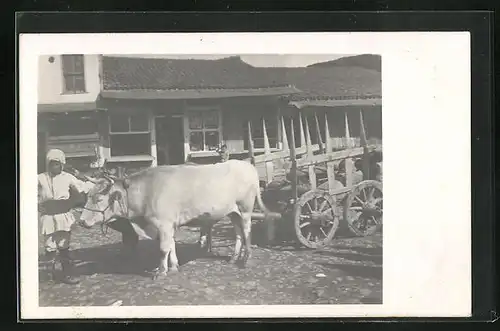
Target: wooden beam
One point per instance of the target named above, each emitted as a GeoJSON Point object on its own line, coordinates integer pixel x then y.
{"type": "Point", "coordinates": [348, 162]}
{"type": "Point", "coordinates": [330, 172]}
{"type": "Point", "coordinates": [328, 140]}
{"type": "Point", "coordinates": [302, 135]}
{"type": "Point", "coordinates": [364, 143]}
{"type": "Point", "coordinates": [318, 131]}
{"type": "Point", "coordinates": [343, 154]}
{"type": "Point", "coordinates": [308, 139]}
{"type": "Point", "coordinates": [251, 154]}
{"type": "Point", "coordinates": [293, 157]}
{"type": "Point", "coordinates": [282, 154]}
{"type": "Point", "coordinates": [267, 151]}
{"type": "Point", "coordinates": [284, 136]}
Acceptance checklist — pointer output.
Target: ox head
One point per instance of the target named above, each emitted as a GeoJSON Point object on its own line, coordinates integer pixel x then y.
{"type": "Point", "coordinates": [106, 201]}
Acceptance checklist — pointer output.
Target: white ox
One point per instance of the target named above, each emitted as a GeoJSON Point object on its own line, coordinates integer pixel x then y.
{"type": "Point", "coordinates": [159, 200]}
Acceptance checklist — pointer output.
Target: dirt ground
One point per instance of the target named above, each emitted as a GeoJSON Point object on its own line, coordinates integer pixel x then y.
{"type": "Point", "coordinates": [349, 271]}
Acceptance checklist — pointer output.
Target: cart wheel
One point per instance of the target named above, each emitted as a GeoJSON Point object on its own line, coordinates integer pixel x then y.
{"type": "Point", "coordinates": [363, 208]}
{"type": "Point", "coordinates": [315, 219]}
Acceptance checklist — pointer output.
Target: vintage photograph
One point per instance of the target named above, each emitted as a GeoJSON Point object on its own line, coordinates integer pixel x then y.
{"type": "Point", "coordinates": [213, 179]}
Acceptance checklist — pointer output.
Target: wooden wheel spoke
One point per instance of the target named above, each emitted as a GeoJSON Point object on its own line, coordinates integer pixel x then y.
{"type": "Point", "coordinates": [323, 232]}
{"type": "Point", "coordinates": [309, 207]}
{"type": "Point", "coordinates": [360, 201]}
{"type": "Point", "coordinates": [309, 236]}
{"type": "Point", "coordinates": [304, 224]}
{"type": "Point", "coordinates": [315, 204]}
{"type": "Point", "coordinates": [364, 193]}
{"type": "Point", "coordinates": [323, 205]}
{"type": "Point", "coordinates": [370, 193]}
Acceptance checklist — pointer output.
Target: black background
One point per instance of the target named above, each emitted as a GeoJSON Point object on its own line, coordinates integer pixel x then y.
{"type": "Point", "coordinates": [478, 23]}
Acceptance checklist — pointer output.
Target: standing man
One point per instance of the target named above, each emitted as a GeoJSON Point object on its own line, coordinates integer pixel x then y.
{"type": "Point", "coordinates": [56, 191]}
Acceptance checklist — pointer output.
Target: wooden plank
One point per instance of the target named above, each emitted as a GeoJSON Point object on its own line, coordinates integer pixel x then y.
{"type": "Point", "coordinates": [334, 156]}
{"type": "Point", "coordinates": [293, 158]}
{"type": "Point", "coordinates": [282, 154]}
{"type": "Point", "coordinates": [262, 216]}
{"type": "Point", "coordinates": [366, 155]}
{"type": "Point", "coordinates": [267, 151]}
{"type": "Point", "coordinates": [284, 136]}
{"type": "Point", "coordinates": [330, 171]}
{"type": "Point", "coordinates": [348, 162]}
{"type": "Point", "coordinates": [302, 135]}
{"type": "Point", "coordinates": [312, 177]}
{"type": "Point", "coordinates": [308, 139]}
{"type": "Point", "coordinates": [251, 153]}
{"type": "Point", "coordinates": [318, 131]}
{"type": "Point", "coordinates": [328, 140]}
{"type": "Point", "coordinates": [347, 131]}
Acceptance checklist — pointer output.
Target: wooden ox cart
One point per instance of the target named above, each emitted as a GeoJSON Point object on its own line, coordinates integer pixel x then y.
{"type": "Point", "coordinates": [323, 201]}
{"type": "Point", "coordinates": [318, 204]}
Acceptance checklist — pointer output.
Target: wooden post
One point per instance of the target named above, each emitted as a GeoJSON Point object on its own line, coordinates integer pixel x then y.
{"type": "Point", "coordinates": [293, 159]}
{"type": "Point", "coordinates": [271, 226]}
{"type": "Point", "coordinates": [328, 139]}
{"type": "Point", "coordinates": [348, 161]}
{"type": "Point", "coordinates": [286, 146]}
{"type": "Point", "coordinates": [267, 151]}
{"type": "Point", "coordinates": [309, 150]}
{"type": "Point", "coordinates": [251, 154]}
{"type": "Point", "coordinates": [318, 131]}
{"type": "Point", "coordinates": [330, 170]}
{"type": "Point", "coordinates": [152, 125]}
{"type": "Point", "coordinates": [364, 143]}
{"type": "Point", "coordinates": [302, 136]}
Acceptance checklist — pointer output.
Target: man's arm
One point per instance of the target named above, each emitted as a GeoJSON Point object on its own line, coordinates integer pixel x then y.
{"type": "Point", "coordinates": [81, 185]}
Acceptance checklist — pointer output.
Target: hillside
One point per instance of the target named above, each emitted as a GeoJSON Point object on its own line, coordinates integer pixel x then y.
{"type": "Point", "coordinates": [367, 61]}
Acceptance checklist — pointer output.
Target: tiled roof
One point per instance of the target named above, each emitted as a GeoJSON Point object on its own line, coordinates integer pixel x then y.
{"type": "Point", "coordinates": [331, 82]}
{"type": "Point", "coordinates": [122, 73]}
{"type": "Point", "coordinates": [315, 82]}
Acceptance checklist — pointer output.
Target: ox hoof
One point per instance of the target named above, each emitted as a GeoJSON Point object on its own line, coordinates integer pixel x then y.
{"type": "Point", "coordinates": [174, 270]}
{"type": "Point", "coordinates": [233, 260]}
{"type": "Point", "coordinates": [159, 275]}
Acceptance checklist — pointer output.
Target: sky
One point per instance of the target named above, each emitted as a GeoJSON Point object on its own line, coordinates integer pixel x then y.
{"type": "Point", "coordinates": [267, 60]}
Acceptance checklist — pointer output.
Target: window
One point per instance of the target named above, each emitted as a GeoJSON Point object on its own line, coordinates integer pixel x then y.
{"type": "Point", "coordinates": [69, 125]}
{"type": "Point", "coordinates": [74, 73]}
{"type": "Point", "coordinates": [258, 132]}
{"type": "Point", "coordinates": [204, 130]}
{"type": "Point", "coordinates": [129, 135]}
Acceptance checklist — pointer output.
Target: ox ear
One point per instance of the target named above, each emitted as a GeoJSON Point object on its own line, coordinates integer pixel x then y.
{"type": "Point", "coordinates": [126, 183]}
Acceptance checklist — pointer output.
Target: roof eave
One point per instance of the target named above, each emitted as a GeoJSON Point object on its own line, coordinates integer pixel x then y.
{"type": "Point", "coordinates": [198, 93]}
{"type": "Point", "coordinates": [67, 107]}
{"type": "Point", "coordinates": [337, 102]}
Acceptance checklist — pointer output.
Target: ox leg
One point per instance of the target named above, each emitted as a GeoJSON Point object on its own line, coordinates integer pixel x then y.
{"type": "Point", "coordinates": [174, 262]}
{"type": "Point", "coordinates": [166, 236]}
{"type": "Point", "coordinates": [205, 239]}
{"type": "Point", "coordinates": [209, 240]}
{"type": "Point", "coordinates": [247, 233]}
{"type": "Point", "coordinates": [239, 236]}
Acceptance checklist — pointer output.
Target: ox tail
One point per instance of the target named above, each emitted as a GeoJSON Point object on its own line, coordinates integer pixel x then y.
{"type": "Point", "coordinates": [261, 203]}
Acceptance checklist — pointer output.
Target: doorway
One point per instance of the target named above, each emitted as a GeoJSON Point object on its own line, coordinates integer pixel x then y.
{"type": "Point", "coordinates": [170, 139]}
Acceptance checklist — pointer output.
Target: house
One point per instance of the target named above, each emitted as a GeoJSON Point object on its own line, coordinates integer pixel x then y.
{"type": "Point", "coordinates": [68, 89]}
{"type": "Point", "coordinates": [144, 112]}
{"type": "Point", "coordinates": [164, 111]}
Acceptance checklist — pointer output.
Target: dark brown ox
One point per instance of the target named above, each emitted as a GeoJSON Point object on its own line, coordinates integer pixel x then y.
{"type": "Point", "coordinates": [159, 200]}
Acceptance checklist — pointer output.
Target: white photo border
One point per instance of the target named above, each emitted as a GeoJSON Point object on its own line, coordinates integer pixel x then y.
{"type": "Point", "coordinates": [427, 208]}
